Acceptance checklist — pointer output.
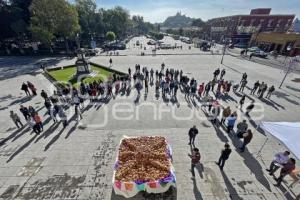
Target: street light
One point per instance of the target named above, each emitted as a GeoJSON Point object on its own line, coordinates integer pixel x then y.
{"type": "Point", "coordinates": [288, 49]}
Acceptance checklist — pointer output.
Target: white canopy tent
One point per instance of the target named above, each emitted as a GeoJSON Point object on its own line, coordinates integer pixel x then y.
{"type": "Point", "coordinates": [287, 132]}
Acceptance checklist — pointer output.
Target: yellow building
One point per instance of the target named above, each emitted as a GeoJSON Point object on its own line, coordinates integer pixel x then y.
{"type": "Point", "coordinates": [272, 41]}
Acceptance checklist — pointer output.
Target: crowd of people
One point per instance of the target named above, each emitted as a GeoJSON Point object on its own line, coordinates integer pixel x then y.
{"type": "Point", "coordinates": [166, 82]}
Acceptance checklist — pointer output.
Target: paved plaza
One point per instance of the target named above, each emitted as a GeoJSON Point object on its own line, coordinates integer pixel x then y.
{"type": "Point", "coordinates": [76, 162]}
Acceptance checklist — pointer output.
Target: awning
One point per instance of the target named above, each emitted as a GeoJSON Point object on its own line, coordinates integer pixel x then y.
{"type": "Point", "coordinates": [287, 132]}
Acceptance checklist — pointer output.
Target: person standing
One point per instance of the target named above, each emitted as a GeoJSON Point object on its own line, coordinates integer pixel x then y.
{"type": "Point", "coordinates": [243, 85]}
{"type": "Point", "coordinates": [247, 139]}
{"type": "Point", "coordinates": [32, 88]}
{"type": "Point", "coordinates": [256, 85]}
{"type": "Point", "coordinates": [38, 121]}
{"type": "Point", "coordinates": [129, 72]}
{"type": "Point", "coordinates": [241, 128]}
{"type": "Point", "coordinates": [52, 113]}
{"type": "Point", "coordinates": [146, 86]}
{"type": "Point", "coordinates": [31, 111]}
{"type": "Point", "coordinates": [287, 169]}
{"type": "Point", "coordinates": [224, 156]}
{"type": "Point", "coordinates": [271, 90]}
{"type": "Point", "coordinates": [192, 135]}
{"type": "Point", "coordinates": [230, 122]}
{"type": "Point", "coordinates": [279, 160]}
{"type": "Point", "coordinates": [244, 77]}
{"type": "Point", "coordinates": [263, 90]}
{"type": "Point", "coordinates": [110, 62]}
{"type": "Point", "coordinates": [200, 89]}
{"type": "Point", "coordinates": [78, 113]}
{"type": "Point", "coordinates": [226, 113]}
{"type": "Point", "coordinates": [44, 95]}
{"type": "Point", "coordinates": [175, 89]}
{"type": "Point", "coordinates": [207, 88]}
{"type": "Point", "coordinates": [216, 73]}
{"type": "Point", "coordinates": [195, 160]}
{"type": "Point", "coordinates": [16, 119]}
{"type": "Point", "coordinates": [213, 83]}
{"type": "Point", "coordinates": [24, 87]}
{"type": "Point", "coordinates": [25, 112]}
{"type": "Point", "coordinates": [151, 75]}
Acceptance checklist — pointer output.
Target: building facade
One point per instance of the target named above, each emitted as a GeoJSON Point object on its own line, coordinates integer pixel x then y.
{"type": "Point", "coordinates": [272, 41]}
{"type": "Point", "coordinates": [240, 28]}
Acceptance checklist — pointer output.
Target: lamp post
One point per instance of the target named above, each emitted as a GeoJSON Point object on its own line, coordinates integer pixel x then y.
{"type": "Point", "coordinates": [289, 48]}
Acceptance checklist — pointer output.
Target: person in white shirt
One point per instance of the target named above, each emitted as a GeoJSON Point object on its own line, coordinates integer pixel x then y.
{"type": "Point", "coordinates": [279, 160]}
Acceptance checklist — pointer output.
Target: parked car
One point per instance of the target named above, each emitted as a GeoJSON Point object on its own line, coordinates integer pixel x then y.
{"type": "Point", "coordinates": [114, 46]}
{"type": "Point", "coordinates": [255, 51]}
{"type": "Point", "coordinates": [91, 52]}
{"type": "Point", "coordinates": [151, 42]}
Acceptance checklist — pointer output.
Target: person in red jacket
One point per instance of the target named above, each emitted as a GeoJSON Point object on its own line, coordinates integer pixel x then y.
{"type": "Point", "coordinates": [200, 89]}
{"type": "Point", "coordinates": [287, 169]}
{"type": "Point", "coordinates": [195, 159]}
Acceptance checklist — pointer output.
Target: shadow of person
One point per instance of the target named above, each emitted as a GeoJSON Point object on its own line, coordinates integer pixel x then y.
{"type": "Point", "coordinates": [268, 103]}
{"type": "Point", "coordinates": [254, 166]}
{"type": "Point", "coordinates": [249, 160]}
{"type": "Point", "coordinates": [196, 191]}
{"type": "Point", "coordinates": [256, 126]}
{"type": "Point", "coordinates": [227, 98]}
{"type": "Point", "coordinates": [22, 133]}
{"type": "Point", "coordinates": [54, 139]}
{"type": "Point", "coordinates": [231, 190]}
{"type": "Point", "coordinates": [21, 101]}
{"type": "Point", "coordinates": [137, 99]}
{"type": "Point", "coordinates": [285, 96]}
{"type": "Point", "coordinates": [200, 169]}
{"type": "Point", "coordinates": [71, 130]}
{"type": "Point", "coordinates": [277, 104]}
{"type": "Point", "coordinates": [24, 146]}
{"type": "Point", "coordinates": [12, 135]}
{"type": "Point", "coordinates": [48, 132]}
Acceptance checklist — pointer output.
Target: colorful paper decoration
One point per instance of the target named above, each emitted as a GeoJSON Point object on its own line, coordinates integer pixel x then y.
{"type": "Point", "coordinates": [152, 185]}
{"type": "Point", "coordinates": [140, 187]}
{"type": "Point", "coordinates": [129, 186]}
{"type": "Point", "coordinates": [118, 184]}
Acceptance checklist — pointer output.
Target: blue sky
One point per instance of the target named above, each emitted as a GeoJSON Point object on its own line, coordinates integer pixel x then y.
{"type": "Point", "coordinates": [158, 10]}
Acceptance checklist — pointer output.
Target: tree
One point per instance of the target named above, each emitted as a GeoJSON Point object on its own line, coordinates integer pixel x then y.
{"type": "Point", "coordinates": [111, 36]}
{"type": "Point", "coordinates": [91, 21]}
{"type": "Point", "coordinates": [117, 20]}
{"type": "Point", "coordinates": [50, 18]}
{"type": "Point", "coordinates": [14, 15]}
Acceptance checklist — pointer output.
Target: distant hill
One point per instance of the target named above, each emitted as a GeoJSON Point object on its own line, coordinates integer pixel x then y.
{"type": "Point", "coordinates": [181, 21]}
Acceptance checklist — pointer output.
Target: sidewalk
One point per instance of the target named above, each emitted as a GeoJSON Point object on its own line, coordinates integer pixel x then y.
{"type": "Point", "coordinates": [269, 61]}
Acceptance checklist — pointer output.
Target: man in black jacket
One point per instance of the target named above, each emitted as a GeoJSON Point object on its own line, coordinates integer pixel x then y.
{"type": "Point", "coordinates": [224, 156]}
{"type": "Point", "coordinates": [192, 135]}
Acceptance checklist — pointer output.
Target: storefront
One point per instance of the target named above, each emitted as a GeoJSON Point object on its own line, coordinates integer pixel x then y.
{"type": "Point", "coordinates": [278, 42]}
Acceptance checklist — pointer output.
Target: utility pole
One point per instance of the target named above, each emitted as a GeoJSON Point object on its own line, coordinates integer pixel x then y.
{"type": "Point", "coordinates": [287, 72]}
{"type": "Point", "coordinates": [291, 63]}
